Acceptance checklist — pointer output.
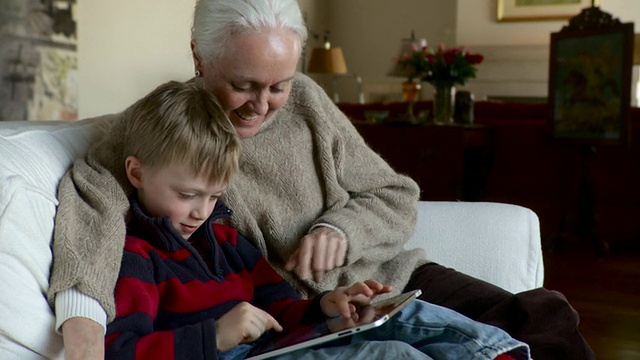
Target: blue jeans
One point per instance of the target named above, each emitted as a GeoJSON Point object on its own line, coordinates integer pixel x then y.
{"type": "Point", "coordinates": [420, 331]}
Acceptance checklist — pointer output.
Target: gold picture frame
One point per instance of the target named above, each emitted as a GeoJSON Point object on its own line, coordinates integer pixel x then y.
{"type": "Point", "coordinates": [536, 10]}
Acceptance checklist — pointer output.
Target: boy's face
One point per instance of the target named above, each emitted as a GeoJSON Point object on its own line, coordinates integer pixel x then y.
{"type": "Point", "coordinates": [174, 192]}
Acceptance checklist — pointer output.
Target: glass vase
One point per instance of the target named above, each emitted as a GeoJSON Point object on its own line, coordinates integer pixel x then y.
{"type": "Point", "coordinates": [443, 104]}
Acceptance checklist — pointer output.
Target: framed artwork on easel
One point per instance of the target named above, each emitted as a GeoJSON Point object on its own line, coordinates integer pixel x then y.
{"type": "Point", "coordinates": [590, 79]}
{"type": "Point", "coordinates": [589, 100]}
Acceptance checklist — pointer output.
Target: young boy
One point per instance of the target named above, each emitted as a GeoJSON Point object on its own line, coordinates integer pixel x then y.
{"type": "Point", "coordinates": [190, 288]}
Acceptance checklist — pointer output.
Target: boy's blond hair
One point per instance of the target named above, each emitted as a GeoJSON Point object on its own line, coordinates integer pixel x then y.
{"type": "Point", "coordinates": [180, 123]}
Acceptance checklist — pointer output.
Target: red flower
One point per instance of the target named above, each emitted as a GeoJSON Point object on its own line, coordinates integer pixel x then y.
{"type": "Point", "coordinates": [474, 58]}
{"type": "Point", "coordinates": [450, 55]}
{"type": "Point", "coordinates": [441, 66]}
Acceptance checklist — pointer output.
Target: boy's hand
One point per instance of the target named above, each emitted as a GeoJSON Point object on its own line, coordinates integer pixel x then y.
{"type": "Point", "coordinates": [244, 323]}
{"type": "Point", "coordinates": [343, 300]}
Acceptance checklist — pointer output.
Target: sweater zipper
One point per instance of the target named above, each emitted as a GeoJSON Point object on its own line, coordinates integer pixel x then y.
{"type": "Point", "coordinates": [217, 214]}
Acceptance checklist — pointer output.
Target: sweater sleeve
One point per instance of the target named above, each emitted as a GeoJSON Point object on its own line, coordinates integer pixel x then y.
{"type": "Point", "coordinates": [134, 335]}
{"type": "Point", "coordinates": [90, 226]}
{"type": "Point", "coordinates": [72, 303]}
{"type": "Point", "coordinates": [380, 212]}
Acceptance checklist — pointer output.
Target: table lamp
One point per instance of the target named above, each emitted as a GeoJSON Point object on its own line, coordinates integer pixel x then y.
{"type": "Point", "coordinates": [328, 60]}
{"type": "Point", "coordinates": [410, 88]}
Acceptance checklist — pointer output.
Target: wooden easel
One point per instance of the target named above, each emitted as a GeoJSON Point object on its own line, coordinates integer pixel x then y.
{"type": "Point", "coordinates": [591, 21]}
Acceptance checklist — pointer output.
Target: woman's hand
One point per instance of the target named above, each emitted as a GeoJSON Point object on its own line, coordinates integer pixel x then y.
{"type": "Point", "coordinates": [83, 339]}
{"type": "Point", "coordinates": [243, 324]}
{"type": "Point", "coordinates": [343, 300]}
{"type": "Point", "coordinates": [321, 250]}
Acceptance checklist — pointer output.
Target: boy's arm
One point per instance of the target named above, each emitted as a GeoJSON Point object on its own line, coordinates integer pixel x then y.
{"type": "Point", "coordinates": [273, 294]}
{"type": "Point", "coordinates": [133, 335]}
{"type": "Point", "coordinates": [135, 338]}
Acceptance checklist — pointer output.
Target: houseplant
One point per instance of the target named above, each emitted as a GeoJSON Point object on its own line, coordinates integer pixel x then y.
{"type": "Point", "coordinates": [443, 68]}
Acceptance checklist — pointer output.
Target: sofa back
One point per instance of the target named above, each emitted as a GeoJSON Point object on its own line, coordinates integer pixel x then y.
{"type": "Point", "coordinates": [33, 158]}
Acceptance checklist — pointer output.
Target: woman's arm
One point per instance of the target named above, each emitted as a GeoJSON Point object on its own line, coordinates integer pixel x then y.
{"type": "Point", "coordinates": [82, 322]}
{"type": "Point", "coordinates": [370, 207]}
{"type": "Point", "coordinates": [83, 339]}
{"type": "Point", "coordinates": [380, 214]}
{"type": "Point", "coordinates": [90, 226]}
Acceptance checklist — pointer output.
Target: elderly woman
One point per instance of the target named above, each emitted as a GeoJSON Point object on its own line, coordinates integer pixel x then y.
{"type": "Point", "coordinates": [321, 206]}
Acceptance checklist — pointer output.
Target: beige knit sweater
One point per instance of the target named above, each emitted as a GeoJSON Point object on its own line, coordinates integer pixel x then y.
{"type": "Point", "coordinates": [307, 165]}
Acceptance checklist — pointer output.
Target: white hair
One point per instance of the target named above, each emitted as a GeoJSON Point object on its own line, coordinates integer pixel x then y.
{"type": "Point", "coordinates": [215, 22]}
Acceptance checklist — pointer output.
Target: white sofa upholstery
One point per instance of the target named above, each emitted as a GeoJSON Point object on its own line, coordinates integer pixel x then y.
{"type": "Point", "coordinates": [499, 243]}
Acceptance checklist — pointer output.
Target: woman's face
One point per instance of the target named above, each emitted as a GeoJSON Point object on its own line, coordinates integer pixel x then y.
{"type": "Point", "coordinates": [253, 79]}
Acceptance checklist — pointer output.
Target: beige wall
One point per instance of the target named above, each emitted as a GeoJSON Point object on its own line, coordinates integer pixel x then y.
{"type": "Point", "coordinates": [126, 48]}
{"type": "Point", "coordinates": [316, 14]}
{"type": "Point", "coordinates": [370, 31]}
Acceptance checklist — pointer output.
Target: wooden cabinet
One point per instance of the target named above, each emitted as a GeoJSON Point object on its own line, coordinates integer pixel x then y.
{"type": "Point", "coordinates": [449, 162]}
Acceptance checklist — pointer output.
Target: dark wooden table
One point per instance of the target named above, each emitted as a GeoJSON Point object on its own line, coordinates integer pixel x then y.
{"type": "Point", "coordinates": [449, 162]}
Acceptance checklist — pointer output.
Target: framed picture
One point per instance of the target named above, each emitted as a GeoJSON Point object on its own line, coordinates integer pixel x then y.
{"type": "Point", "coordinates": [590, 84]}
{"type": "Point", "coordinates": [534, 10]}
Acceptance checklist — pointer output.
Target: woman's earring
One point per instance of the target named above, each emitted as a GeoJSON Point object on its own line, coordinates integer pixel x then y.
{"type": "Point", "coordinates": [198, 73]}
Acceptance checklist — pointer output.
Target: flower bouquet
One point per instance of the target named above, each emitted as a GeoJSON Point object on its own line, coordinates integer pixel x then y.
{"type": "Point", "coordinates": [443, 68]}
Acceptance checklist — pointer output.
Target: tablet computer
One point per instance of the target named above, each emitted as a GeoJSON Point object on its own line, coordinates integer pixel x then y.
{"type": "Point", "coordinates": [367, 317]}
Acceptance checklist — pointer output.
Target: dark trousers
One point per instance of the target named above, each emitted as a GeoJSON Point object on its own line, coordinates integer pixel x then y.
{"type": "Point", "coordinates": [541, 318]}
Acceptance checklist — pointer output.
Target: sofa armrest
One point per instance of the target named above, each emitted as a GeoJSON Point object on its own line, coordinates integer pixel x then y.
{"type": "Point", "coordinates": [498, 243]}
{"type": "Point", "coordinates": [33, 158]}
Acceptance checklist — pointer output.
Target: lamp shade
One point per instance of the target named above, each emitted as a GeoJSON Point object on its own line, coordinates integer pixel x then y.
{"type": "Point", "coordinates": [406, 47]}
{"type": "Point", "coordinates": [327, 61]}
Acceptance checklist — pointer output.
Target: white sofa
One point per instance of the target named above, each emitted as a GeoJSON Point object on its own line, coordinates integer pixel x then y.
{"type": "Point", "coordinates": [499, 243]}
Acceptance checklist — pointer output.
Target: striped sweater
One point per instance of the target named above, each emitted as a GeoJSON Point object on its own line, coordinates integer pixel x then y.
{"type": "Point", "coordinates": [170, 291]}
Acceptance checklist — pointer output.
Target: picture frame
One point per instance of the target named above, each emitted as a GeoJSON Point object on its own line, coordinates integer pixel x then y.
{"type": "Point", "coordinates": [536, 10]}
{"type": "Point", "coordinates": [590, 80]}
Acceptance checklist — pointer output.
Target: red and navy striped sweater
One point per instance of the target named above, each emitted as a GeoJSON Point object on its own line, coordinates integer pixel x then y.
{"type": "Point", "coordinates": [168, 296]}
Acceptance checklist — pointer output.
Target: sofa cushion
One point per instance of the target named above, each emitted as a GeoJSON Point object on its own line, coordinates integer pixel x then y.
{"type": "Point", "coordinates": [34, 158]}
